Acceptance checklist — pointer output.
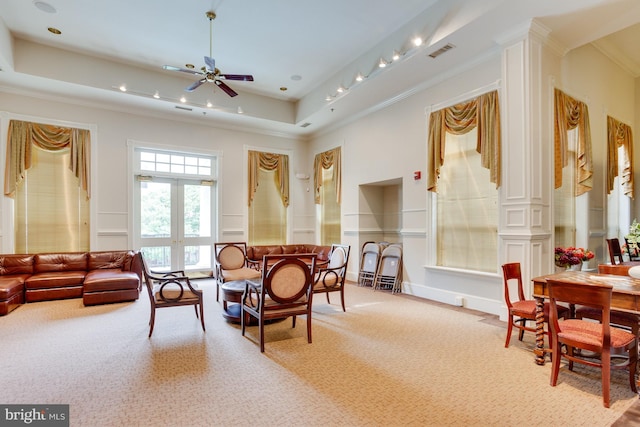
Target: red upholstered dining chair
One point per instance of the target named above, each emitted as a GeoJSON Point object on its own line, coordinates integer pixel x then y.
{"type": "Point", "coordinates": [615, 251]}
{"type": "Point", "coordinates": [599, 339]}
{"type": "Point", "coordinates": [521, 310]}
{"type": "Point", "coordinates": [619, 318]}
{"type": "Point", "coordinates": [284, 290]}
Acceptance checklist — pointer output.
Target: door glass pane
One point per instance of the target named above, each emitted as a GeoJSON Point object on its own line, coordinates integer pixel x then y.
{"type": "Point", "coordinates": [157, 258]}
{"type": "Point", "coordinates": [197, 257]}
{"type": "Point", "coordinates": [155, 209]}
{"type": "Point", "coordinates": [197, 211]}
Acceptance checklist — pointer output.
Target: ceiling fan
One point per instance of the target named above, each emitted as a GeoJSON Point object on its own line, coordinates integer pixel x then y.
{"type": "Point", "coordinates": [209, 72]}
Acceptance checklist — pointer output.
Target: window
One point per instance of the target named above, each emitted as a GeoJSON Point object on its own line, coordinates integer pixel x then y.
{"type": "Point", "coordinates": [564, 201]}
{"type": "Point", "coordinates": [467, 208]}
{"type": "Point", "coordinates": [51, 210]}
{"type": "Point", "coordinates": [329, 217]}
{"type": "Point", "coordinates": [267, 214]}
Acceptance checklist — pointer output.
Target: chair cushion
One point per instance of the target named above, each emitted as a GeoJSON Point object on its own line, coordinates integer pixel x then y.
{"type": "Point", "coordinates": [590, 333]}
{"type": "Point", "coordinates": [527, 308]}
{"type": "Point", "coordinates": [240, 274]}
{"type": "Point", "coordinates": [616, 317]}
{"type": "Point", "coordinates": [172, 292]}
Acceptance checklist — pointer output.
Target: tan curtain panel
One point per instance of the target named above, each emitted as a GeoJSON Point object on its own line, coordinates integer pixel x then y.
{"type": "Point", "coordinates": [569, 114]}
{"type": "Point", "coordinates": [483, 112]}
{"type": "Point", "coordinates": [48, 137]}
{"type": "Point", "coordinates": [325, 161]}
{"type": "Point", "coordinates": [619, 135]}
{"type": "Point", "coordinates": [270, 162]}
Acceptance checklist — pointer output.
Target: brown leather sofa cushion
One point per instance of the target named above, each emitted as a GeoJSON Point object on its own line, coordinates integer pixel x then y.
{"type": "Point", "coordinates": [61, 262]}
{"type": "Point", "coordinates": [16, 264]}
{"type": "Point", "coordinates": [108, 260]}
{"type": "Point", "coordinates": [112, 279]}
{"type": "Point", "coordinates": [56, 279]}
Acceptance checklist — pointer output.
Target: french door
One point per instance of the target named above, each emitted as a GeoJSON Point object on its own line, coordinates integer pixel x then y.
{"type": "Point", "coordinates": [175, 224]}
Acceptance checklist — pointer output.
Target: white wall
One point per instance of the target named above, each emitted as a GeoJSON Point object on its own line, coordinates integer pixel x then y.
{"type": "Point", "coordinates": [111, 194]}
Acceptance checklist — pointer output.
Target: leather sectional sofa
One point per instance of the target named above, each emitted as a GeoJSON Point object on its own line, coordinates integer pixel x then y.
{"type": "Point", "coordinates": [256, 253]}
{"type": "Point", "coordinates": [98, 277]}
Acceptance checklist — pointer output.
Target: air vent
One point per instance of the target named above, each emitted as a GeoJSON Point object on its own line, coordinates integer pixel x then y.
{"type": "Point", "coordinates": [183, 108]}
{"type": "Point", "coordinates": [442, 50]}
{"type": "Point", "coordinates": [304, 125]}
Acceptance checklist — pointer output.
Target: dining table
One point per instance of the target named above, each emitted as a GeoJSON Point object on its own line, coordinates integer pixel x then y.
{"type": "Point", "coordinates": [626, 297]}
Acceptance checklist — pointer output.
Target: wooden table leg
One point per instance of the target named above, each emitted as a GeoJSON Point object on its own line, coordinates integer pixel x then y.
{"type": "Point", "coordinates": [539, 350]}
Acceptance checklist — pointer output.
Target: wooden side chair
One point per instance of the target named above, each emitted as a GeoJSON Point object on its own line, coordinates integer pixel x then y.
{"type": "Point", "coordinates": [521, 310]}
{"type": "Point", "coordinates": [619, 318]}
{"type": "Point", "coordinates": [284, 290]}
{"type": "Point", "coordinates": [171, 289]}
{"type": "Point", "coordinates": [231, 264]}
{"type": "Point", "coordinates": [594, 338]}
{"type": "Point", "coordinates": [332, 277]}
{"type": "Point", "coordinates": [615, 251]}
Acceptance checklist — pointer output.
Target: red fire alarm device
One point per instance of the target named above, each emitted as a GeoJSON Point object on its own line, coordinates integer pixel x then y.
{"type": "Point", "coordinates": [416, 175]}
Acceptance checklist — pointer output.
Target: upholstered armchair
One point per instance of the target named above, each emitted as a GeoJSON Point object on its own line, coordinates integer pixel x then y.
{"type": "Point", "coordinates": [231, 263]}
{"type": "Point", "coordinates": [331, 278]}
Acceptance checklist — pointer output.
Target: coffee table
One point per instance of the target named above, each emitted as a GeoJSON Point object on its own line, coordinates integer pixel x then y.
{"type": "Point", "coordinates": [232, 293]}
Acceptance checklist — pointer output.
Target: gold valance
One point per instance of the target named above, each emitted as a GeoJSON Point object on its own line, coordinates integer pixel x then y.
{"type": "Point", "coordinates": [569, 114]}
{"type": "Point", "coordinates": [483, 112]}
{"type": "Point", "coordinates": [619, 135]}
{"type": "Point", "coordinates": [325, 161]}
{"type": "Point", "coordinates": [48, 137]}
{"type": "Point", "coordinates": [269, 162]}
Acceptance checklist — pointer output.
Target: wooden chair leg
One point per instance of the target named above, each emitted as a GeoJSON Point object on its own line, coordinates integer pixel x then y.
{"type": "Point", "coordinates": [309, 327]}
{"type": "Point", "coordinates": [509, 331]}
{"type": "Point", "coordinates": [152, 321]}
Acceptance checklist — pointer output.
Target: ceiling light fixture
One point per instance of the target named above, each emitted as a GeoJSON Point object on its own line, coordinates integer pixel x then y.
{"type": "Point", "coordinates": [396, 55]}
{"type": "Point", "coordinates": [240, 110]}
{"type": "Point", "coordinates": [45, 7]}
{"type": "Point", "coordinates": [209, 104]}
{"type": "Point", "coordinates": [156, 95]}
{"type": "Point", "coordinates": [123, 88]}
{"type": "Point", "coordinates": [328, 98]}
{"type": "Point", "coordinates": [417, 41]}
{"type": "Point", "coordinates": [359, 77]}
{"type": "Point", "coordinates": [55, 31]}
{"type": "Point", "coordinates": [183, 99]}
{"type": "Point", "coordinates": [340, 89]}
{"type": "Point", "coordinates": [382, 63]}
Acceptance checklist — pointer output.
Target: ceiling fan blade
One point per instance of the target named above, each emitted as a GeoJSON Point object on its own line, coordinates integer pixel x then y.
{"type": "Point", "coordinates": [195, 85]}
{"type": "Point", "coordinates": [211, 63]}
{"type": "Point", "coordinates": [239, 77]}
{"type": "Point", "coordinates": [226, 88]}
{"type": "Point", "coordinates": [184, 70]}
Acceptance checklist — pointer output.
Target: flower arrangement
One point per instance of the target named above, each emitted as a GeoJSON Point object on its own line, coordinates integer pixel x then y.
{"type": "Point", "coordinates": [632, 240]}
{"type": "Point", "coordinates": [566, 257]}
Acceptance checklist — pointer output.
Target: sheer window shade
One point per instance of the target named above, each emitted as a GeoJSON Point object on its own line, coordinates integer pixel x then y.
{"type": "Point", "coordinates": [467, 208]}
{"type": "Point", "coordinates": [51, 210]}
{"type": "Point", "coordinates": [330, 231]}
{"type": "Point", "coordinates": [267, 214]}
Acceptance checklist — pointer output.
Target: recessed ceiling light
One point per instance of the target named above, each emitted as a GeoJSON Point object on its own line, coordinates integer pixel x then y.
{"type": "Point", "coordinates": [45, 7]}
{"type": "Point", "coordinates": [190, 66]}
{"type": "Point", "coordinates": [283, 89]}
{"type": "Point", "coordinates": [55, 31]}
